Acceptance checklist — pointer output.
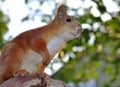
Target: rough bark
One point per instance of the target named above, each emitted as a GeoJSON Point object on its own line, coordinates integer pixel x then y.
{"type": "Point", "coordinates": [32, 81]}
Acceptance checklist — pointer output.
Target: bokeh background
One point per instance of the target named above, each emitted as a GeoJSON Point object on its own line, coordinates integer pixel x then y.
{"type": "Point", "coordinates": [91, 60]}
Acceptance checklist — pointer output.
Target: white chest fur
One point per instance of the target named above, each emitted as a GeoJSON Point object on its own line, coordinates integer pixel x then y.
{"type": "Point", "coordinates": [54, 45]}
{"type": "Point", "coordinates": [31, 61]}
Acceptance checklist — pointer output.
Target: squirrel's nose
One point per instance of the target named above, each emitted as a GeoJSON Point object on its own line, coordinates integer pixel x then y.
{"type": "Point", "coordinates": [76, 19]}
{"type": "Point", "coordinates": [80, 28]}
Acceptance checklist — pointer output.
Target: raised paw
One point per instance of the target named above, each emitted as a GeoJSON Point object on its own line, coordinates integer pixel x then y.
{"type": "Point", "coordinates": [22, 73]}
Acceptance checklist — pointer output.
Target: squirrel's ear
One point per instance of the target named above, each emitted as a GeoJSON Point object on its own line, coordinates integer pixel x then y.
{"type": "Point", "coordinates": [61, 11]}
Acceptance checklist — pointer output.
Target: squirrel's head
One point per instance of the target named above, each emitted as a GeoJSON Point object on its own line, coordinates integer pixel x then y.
{"type": "Point", "coordinates": [69, 27]}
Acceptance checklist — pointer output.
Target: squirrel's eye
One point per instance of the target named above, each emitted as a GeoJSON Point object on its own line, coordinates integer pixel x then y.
{"type": "Point", "coordinates": [68, 20]}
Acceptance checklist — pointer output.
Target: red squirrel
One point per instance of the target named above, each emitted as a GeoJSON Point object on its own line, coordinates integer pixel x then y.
{"type": "Point", "coordinates": [32, 51]}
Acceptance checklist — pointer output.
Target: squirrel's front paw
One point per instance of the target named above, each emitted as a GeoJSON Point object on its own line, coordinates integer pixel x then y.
{"type": "Point", "coordinates": [45, 78]}
{"type": "Point", "coordinates": [22, 73]}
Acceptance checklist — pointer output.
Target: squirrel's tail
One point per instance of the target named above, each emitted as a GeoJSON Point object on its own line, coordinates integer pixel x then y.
{"type": "Point", "coordinates": [1, 75]}
{"type": "Point", "coordinates": [1, 71]}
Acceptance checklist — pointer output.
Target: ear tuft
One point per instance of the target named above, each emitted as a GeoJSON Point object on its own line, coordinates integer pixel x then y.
{"type": "Point", "coordinates": [61, 11]}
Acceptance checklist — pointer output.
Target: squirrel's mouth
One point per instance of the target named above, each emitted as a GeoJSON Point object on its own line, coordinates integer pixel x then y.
{"type": "Point", "coordinates": [77, 31]}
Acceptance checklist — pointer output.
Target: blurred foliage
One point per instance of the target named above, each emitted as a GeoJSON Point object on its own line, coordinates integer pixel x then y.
{"type": "Point", "coordinates": [101, 54]}
{"type": "Point", "coordinates": [97, 50]}
{"type": "Point", "coordinates": [3, 26]}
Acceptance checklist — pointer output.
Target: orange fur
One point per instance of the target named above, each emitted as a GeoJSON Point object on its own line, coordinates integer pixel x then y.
{"type": "Point", "coordinates": [43, 42]}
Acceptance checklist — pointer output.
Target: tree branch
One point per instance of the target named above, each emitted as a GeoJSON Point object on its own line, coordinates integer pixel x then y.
{"type": "Point", "coordinates": [32, 81]}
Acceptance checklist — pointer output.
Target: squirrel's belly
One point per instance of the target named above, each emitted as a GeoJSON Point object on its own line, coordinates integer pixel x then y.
{"type": "Point", "coordinates": [31, 61]}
